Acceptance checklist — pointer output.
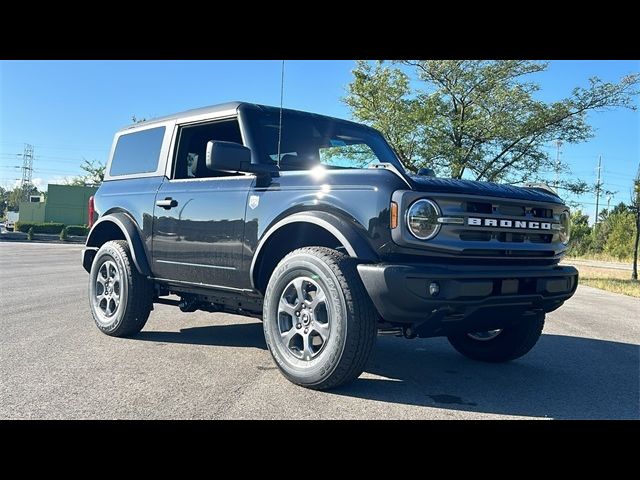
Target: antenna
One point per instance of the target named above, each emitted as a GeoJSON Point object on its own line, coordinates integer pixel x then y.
{"type": "Point", "coordinates": [281, 98]}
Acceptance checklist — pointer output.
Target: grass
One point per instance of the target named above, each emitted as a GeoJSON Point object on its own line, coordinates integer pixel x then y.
{"type": "Point", "coordinates": [609, 279]}
{"type": "Point", "coordinates": [601, 257]}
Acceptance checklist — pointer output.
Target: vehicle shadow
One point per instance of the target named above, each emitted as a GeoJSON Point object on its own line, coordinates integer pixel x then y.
{"type": "Point", "coordinates": [562, 377]}
{"type": "Point", "coordinates": [248, 335]}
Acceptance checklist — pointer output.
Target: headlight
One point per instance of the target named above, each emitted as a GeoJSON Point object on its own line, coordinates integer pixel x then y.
{"type": "Point", "coordinates": [565, 227]}
{"type": "Point", "coordinates": [422, 219]}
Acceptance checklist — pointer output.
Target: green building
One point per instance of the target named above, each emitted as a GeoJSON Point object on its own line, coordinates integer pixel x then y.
{"type": "Point", "coordinates": [64, 204]}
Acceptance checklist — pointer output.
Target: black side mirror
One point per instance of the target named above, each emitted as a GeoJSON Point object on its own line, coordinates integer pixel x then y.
{"type": "Point", "coordinates": [228, 156]}
{"type": "Point", "coordinates": [426, 172]}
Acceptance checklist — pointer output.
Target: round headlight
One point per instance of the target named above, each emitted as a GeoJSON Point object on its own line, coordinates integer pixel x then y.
{"type": "Point", "coordinates": [565, 227]}
{"type": "Point", "coordinates": [422, 219]}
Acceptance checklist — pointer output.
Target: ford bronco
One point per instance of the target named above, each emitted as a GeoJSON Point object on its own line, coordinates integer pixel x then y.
{"type": "Point", "coordinates": [312, 224]}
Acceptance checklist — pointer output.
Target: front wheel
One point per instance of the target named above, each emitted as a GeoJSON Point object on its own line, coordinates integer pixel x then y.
{"type": "Point", "coordinates": [500, 345]}
{"type": "Point", "coordinates": [319, 323]}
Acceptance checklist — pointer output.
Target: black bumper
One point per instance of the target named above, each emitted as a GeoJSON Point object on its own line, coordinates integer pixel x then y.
{"type": "Point", "coordinates": [467, 296]}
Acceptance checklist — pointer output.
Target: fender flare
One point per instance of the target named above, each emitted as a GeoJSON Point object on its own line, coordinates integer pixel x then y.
{"type": "Point", "coordinates": [132, 235]}
{"type": "Point", "coordinates": [353, 242]}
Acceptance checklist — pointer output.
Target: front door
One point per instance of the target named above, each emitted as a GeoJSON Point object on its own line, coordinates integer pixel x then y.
{"type": "Point", "coordinates": [198, 228]}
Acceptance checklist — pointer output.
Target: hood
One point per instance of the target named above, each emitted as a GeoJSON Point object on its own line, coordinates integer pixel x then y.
{"type": "Point", "coordinates": [471, 187]}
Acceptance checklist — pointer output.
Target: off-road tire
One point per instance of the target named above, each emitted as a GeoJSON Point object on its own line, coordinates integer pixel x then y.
{"type": "Point", "coordinates": [136, 292]}
{"type": "Point", "coordinates": [353, 326]}
{"type": "Point", "coordinates": [513, 341]}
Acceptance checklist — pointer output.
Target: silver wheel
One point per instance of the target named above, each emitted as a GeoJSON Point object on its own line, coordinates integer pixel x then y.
{"type": "Point", "coordinates": [484, 336]}
{"type": "Point", "coordinates": [303, 319]}
{"type": "Point", "coordinates": [107, 291]}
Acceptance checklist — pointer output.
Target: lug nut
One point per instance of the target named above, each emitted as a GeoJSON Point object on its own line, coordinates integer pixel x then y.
{"type": "Point", "coordinates": [298, 313]}
{"type": "Point", "coordinates": [306, 330]}
{"type": "Point", "coordinates": [298, 325]}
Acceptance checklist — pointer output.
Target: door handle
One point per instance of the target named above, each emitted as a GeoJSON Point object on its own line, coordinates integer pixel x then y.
{"type": "Point", "coordinates": [167, 203]}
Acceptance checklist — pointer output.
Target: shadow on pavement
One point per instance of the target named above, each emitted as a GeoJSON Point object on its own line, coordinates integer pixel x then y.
{"type": "Point", "coordinates": [562, 377]}
{"type": "Point", "coordinates": [247, 335]}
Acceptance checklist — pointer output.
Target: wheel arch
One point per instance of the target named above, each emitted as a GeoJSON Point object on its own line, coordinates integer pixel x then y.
{"type": "Point", "coordinates": [306, 229]}
{"type": "Point", "coordinates": [116, 226]}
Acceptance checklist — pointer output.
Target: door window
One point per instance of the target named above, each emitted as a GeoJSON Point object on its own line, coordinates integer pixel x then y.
{"type": "Point", "coordinates": [192, 147]}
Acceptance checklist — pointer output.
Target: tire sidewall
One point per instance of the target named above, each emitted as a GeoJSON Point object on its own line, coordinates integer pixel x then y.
{"type": "Point", "coordinates": [316, 370]}
{"type": "Point", "coordinates": [109, 252]}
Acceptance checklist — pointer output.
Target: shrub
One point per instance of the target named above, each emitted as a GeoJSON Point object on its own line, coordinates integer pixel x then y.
{"type": "Point", "coordinates": [54, 228]}
{"type": "Point", "coordinates": [77, 230]}
{"type": "Point", "coordinates": [30, 234]}
{"type": "Point", "coordinates": [63, 234]}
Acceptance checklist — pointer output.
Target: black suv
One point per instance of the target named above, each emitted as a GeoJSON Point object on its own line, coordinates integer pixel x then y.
{"type": "Point", "coordinates": [311, 223]}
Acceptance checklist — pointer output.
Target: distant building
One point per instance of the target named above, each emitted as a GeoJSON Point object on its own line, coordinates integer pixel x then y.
{"type": "Point", "coordinates": [64, 204]}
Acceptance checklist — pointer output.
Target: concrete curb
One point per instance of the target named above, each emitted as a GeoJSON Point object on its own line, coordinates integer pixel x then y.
{"type": "Point", "coordinates": [40, 238]}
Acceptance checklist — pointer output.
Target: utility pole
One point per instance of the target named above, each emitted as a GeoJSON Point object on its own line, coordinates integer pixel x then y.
{"type": "Point", "coordinates": [27, 170]}
{"type": "Point", "coordinates": [558, 145]}
{"type": "Point", "coordinates": [635, 203]}
{"type": "Point", "coordinates": [598, 188]}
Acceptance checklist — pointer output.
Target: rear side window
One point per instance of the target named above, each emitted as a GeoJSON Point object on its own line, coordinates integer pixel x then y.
{"type": "Point", "coordinates": [137, 152]}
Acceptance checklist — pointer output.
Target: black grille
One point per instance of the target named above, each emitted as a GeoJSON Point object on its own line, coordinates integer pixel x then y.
{"type": "Point", "coordinates": [478, 252]}
{"type": "Point", "coordinates": [508, 210]}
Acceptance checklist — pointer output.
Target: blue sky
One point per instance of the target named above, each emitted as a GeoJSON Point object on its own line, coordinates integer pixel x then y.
{"type": "Point", "coordinates": [69, 110]}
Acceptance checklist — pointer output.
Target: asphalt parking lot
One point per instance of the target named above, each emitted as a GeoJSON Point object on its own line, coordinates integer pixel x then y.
{"type": "Point", "coordinates": [55, 364]}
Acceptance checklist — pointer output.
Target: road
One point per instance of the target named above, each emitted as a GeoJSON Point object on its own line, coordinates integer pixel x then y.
{"type": "Point", "coordinates": [55, 364]}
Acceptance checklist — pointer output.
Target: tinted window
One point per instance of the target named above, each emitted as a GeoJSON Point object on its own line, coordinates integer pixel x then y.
{"type": "Point", "coordinates": [192, 147]}
{"type": "Point", "coordinates": [137, 152]}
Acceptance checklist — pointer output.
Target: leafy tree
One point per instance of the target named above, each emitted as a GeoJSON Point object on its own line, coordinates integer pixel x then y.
{"type": "Point", "coordinates": [477, 119]}
{"type": "Point", "coordinates": [17, 195]}
{"type": "Point", "coordinates": [4, 198]}
{"type": "Point", "coordinates": [635, 208]}
{"type": "Point", "coordinates": [620, 240]}
{"type": "Point", "coordinates": [94, 173]}
{"type": "Point", "coordinates": [581, 240]}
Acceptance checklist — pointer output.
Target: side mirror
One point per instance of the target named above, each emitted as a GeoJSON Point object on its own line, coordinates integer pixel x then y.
{"type": "Point", "coordinates": [426, 172]}
{"type": "Point", "coordinates": [228, 156]}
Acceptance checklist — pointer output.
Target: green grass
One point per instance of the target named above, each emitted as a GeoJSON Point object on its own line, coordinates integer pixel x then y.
{"type": "Point", "coordinates": [601, 257]}
{"type": "Point", "coordinates": [615, 285]}
{"type": "Point", "coordinates": [609, 279]}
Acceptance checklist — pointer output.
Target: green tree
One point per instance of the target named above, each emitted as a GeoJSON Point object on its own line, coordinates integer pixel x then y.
{"type": "Point", "coordinates": [635, 208]}
{"type": "Point", "coordinates": [620, 238]}
{"type": "Point", "coordinates": [4, 199]}
{"type": "Point", "coordinates": [94, 173]}
{"type": "Point", "coordinates": [477, 119]}
{"type": "Point", "coordinates": [19, 194]}
{"type": "Point", "coordinates": [580, 242]}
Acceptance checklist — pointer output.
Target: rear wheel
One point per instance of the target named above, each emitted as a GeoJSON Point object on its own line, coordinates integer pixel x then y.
{"type": "Point", "coordinates": [120, 298]}
{"type": "Point", "coordinates": [500, 345]}
{"type": "Point", "coordinates": [319, 323]}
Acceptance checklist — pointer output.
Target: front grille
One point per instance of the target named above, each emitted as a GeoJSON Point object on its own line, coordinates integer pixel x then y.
{"type": "Point", "coordinates": [508, 210]}
{"type": "Point", "coordinates": [505, 210]}
{"type": "Point", "coordinates": [478, 252]}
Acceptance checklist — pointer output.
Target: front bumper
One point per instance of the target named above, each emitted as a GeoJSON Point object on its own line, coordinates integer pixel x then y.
{"type": "Point", "coordinates": [468, 296]}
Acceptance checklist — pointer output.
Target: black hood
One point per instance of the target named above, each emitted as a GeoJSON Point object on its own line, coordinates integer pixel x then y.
{"type": "Point", "coordinates": [470, 187]}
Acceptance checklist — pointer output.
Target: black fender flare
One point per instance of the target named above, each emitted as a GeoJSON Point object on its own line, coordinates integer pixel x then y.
{"type": "Point", "coordinates": [132, 235]}
{"type": "Point", "coordinates": [353, 241]}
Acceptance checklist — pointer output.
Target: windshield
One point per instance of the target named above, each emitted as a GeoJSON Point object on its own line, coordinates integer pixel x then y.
{"type": "Point", "coordinates": [309, 140]}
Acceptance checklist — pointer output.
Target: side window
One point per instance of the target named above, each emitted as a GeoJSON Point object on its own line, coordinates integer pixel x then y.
{"type": "Point", "coordinates": [137, 152]}
{"type": "Point", "coordinates": [189, 160]}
